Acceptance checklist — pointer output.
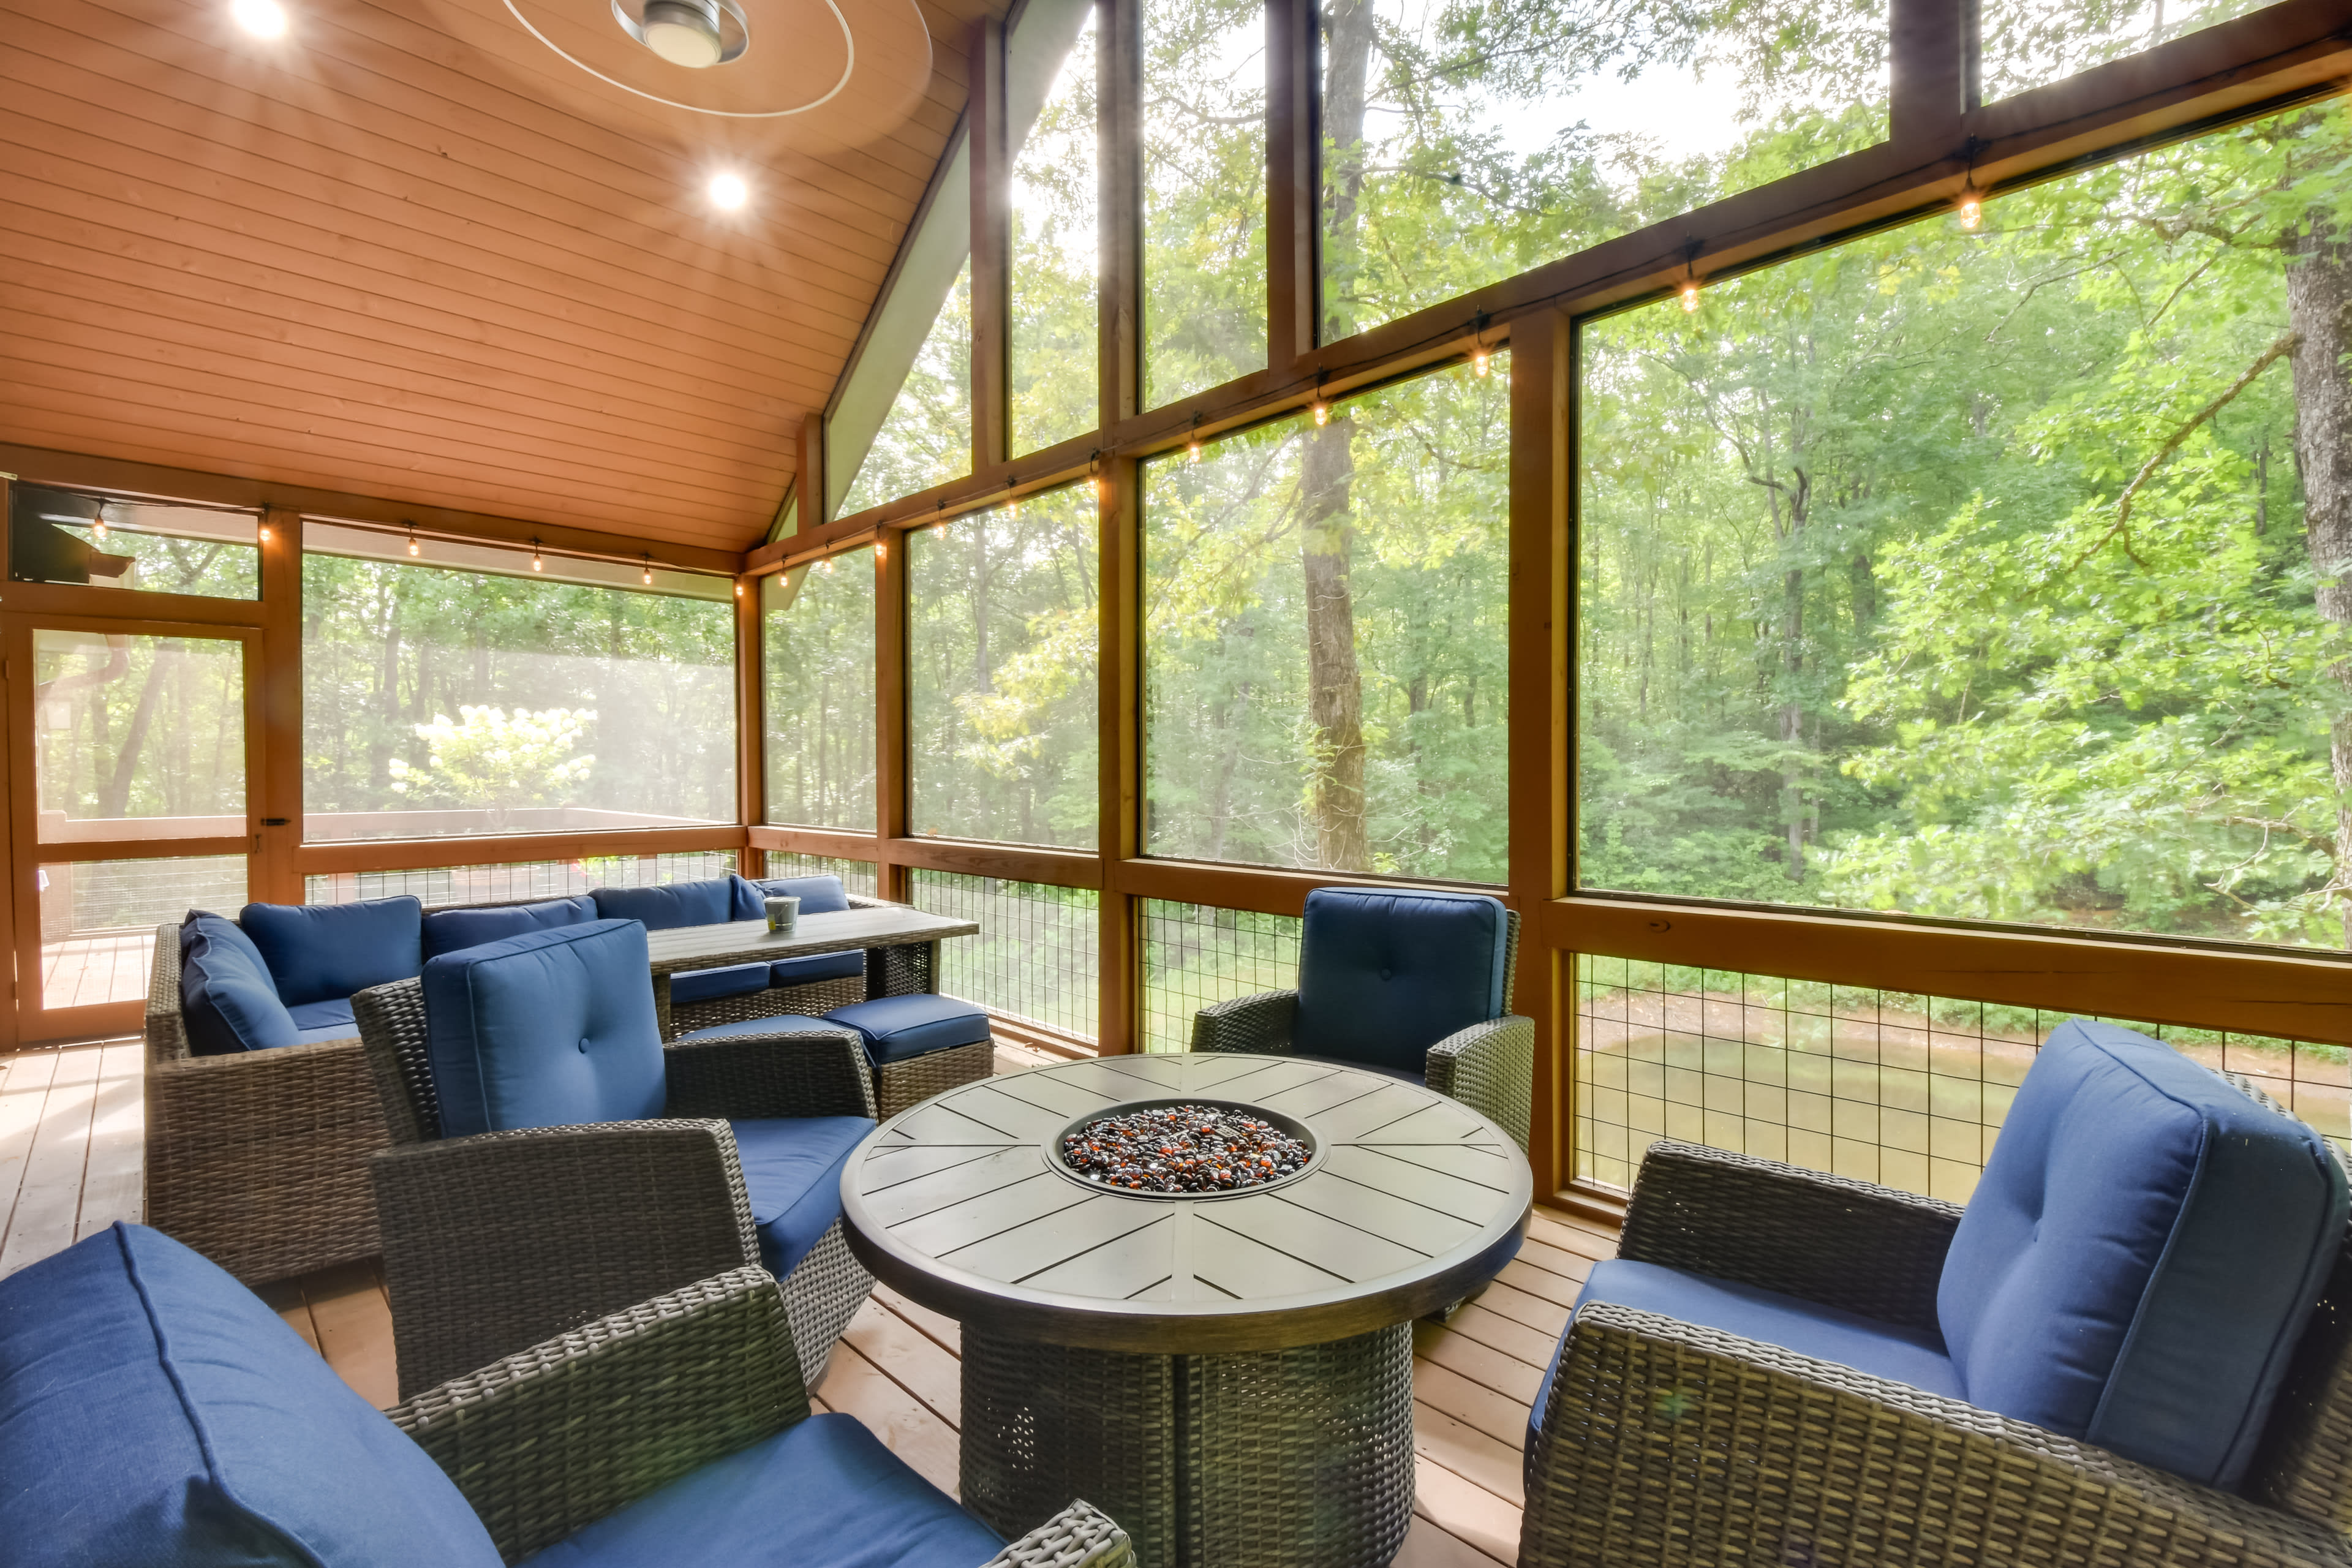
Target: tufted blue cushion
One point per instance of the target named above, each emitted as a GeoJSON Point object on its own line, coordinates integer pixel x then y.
{"type": "Point", "coordinates": [819, 967]}
{"type": "Point", "coordinates": [1767, 1316]}
{"type": "Point", "coordinates": [319, 952]}
{"type": "Point", "coordinates": [711, 984]}
{"type": "Point", "coordinates": [818, 895]}
{"type": "Point", "coordinates": [897, 1027]}
{"type": "Point", "coordinates": [705, 903]}
{"type": "Point", "coordinates": [226, 996]}
{"type": "Point", "coordinates": [822, 1493]}
{"type": "Point", "coordinates": [153, 1411]}
{"type": "Point", "coordinates": [543, 1029]}
{"type": "Point", "coordinates": [2140, 1255]}
{"type": "Point", "coordinates": [446, 931]}
{"type": "Point", "coordinates": [1384, 974]}
{"type": "Point", "coordinates": [792, 1173]}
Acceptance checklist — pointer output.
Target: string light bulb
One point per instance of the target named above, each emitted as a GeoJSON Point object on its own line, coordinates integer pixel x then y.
{"type": "Point", "coordinates": [739, 590]}
{"type": "Point", "coordinates": [648, 574]}
{"type": "Point", "coordinates": [415, 547]}
{"type": "Point", "coordinates": [538, 563]}
{"type": "Point", "coordinates": [1690, 295]}
{"type": "Point", "coordinates": [98, 529]}
{"type": "Point", "coordinates": [265, 533]}
{"type": "Point", "coordinates": [1478, 360]}
{"type": "Point", "coordinates": [1971, 210]}
{"type": "Point", "coordinates": [1322, 412]}
{"type": "Point", "coordinates": [1193, 450]}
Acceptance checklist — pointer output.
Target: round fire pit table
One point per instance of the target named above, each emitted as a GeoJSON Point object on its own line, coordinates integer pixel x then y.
{"type": "Point", "coordinates": [1228, 1374]}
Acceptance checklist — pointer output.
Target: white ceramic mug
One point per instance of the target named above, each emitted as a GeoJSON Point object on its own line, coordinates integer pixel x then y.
{"type": "Point", "coordinates": [783, 914]}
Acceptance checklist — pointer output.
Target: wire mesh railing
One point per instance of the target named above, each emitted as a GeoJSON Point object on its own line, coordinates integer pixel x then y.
{"type": "Point", "coordinates": [1904, 1089]}
{"type": "Point", "coordinates": [1194, 954]}
{"type": "Point", "coordinates": [857, 876]}
{"type": "Point", "coordinates": [1037, 954]}
{"type": "Point", "coordinates": [517, 880]}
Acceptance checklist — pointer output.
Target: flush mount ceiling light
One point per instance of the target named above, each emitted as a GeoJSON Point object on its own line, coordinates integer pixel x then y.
{"type": "Point", "coordinates": [697, 34]}
{"type": "Point", "coordinates": [727, 192]}
{"type": "Point", "coordinates": [262, 18]}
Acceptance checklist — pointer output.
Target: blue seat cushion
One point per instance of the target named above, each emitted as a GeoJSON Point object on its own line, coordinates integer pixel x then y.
{"type": "Point", "coordinates": [446, 931]}
{"type": "Point", "coordinates": [319, 952]}
{"type": "Point", "coordinates": [791, 1171]}
{"type": "Point", "coordinates": [711, 984]}
{"type": "Point", "coordinates": [325, 1020]}
{"type": "Point", "coordinates": [822, 1493]}
{"type": "Point", "coordinates": [544, 1029]}
{"type": "Point", "coordinates": [226, 997]}
{"type": "Point", "coordinates": [1416, 1076]}
{"type": "Point", "coordinates": [709, 902]}
{"type": "Point", "coordinates": [1824, 1333]}
{"type": "Point", "coordinates": [818, 895]}
{"type": "Point", "coordinates": [897, 1027]}
{"type": "Point", "coordinates": [1384, 974]}
{"type": "Point", "coordinates": [2138, 1262]}
{"type": "Point", "coordinates": [153, 1411]}
{"type": "Point", "coordinates": [818, 966]}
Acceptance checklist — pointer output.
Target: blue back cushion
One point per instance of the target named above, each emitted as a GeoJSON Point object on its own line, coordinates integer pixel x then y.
{"type": "Point", "coordinates": [1384, 974]}
{"type": "Point", "coordinates": [446, 931]}
{"type": "Point", "coordinates": [153, 1410]}
{"type": "Point", "coordinates": [706, 903]}
{"type": "Point", "coordinates": [318, 952]}
{"type": "Point", "coordinates": [2139, 1258]}
{"type": "Point", "coordinates": [226, 996]}
{"type": "Point", "coordinates": [544, 1029]}
{"type": "Point", "coordinates": [818, 895]}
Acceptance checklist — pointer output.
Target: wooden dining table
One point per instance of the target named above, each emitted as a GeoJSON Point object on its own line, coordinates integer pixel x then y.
{"type": "Point", "coordinates": [682, 949]}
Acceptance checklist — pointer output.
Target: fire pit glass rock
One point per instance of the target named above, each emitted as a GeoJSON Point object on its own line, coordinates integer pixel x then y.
{"type": "Point", "coordinates": [1184, 1149]}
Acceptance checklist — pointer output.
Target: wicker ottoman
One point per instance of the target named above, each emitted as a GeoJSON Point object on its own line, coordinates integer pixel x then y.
{"type": "Point", "coordinates": [1229, 1375]}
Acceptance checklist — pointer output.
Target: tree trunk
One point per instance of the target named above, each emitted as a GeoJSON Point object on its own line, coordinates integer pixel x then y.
{"type": "Point", "coordinates": [2319, 309]}
{"type": "Point", "coordinates": [1335, 699]}
{"type": "Point", "coordinates": [114, 800]}
{"type": "Point", "coordinates": [1347, 73]}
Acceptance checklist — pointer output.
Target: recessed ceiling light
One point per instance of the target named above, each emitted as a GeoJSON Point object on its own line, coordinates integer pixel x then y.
{"type": "Point", "coordinates": [729, 191]}
{"type": "Point", "coordinates": [262, 18]}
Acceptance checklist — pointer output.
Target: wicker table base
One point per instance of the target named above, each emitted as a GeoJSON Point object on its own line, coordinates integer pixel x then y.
{"type": "Point", "coordinates": [1288, 1458]}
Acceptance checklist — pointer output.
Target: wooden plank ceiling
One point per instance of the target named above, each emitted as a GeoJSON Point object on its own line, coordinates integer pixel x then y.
{"type": "Point", "coordinates": [406, 251]}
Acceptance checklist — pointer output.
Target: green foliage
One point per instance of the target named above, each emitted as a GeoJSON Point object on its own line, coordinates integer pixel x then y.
{"type": "Point", "coordinates": [819, 642]}
{"type": "Point", "coordinates": [581, 696]}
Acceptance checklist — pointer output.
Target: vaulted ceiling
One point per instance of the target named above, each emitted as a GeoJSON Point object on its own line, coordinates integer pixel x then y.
{"type": "Point", "coordinates": [407, 251]}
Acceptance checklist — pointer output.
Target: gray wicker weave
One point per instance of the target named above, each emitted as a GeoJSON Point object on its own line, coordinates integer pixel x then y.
{"type": "Point", "coordinates": [259, 1160]}
{"type": "Point", "coordinates": [547, 1441]}
{"type": "Point", "coordinates": [503, 1240]}
{"type": "Point", "coordinates": [1664, 1443]}
{"type": "Point", "coordinates": [1489, 1067]}
{"type": "Point", "coordinates": [897, 1085]}
{"type": "Point", "coordinates": [1288, 1458]}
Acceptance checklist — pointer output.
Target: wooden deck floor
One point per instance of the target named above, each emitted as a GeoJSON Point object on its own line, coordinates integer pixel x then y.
{"type": "Point", "coordinates": [71, 1129]}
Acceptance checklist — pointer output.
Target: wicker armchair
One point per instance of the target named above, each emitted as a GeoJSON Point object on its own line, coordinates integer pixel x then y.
{"type": "Point", "coordinates": [257, 1159]}
{"type": "Point", "coordinates": [501, 1239]}
{"type": "Point", "coordinates": [548, 1441]}
{"type": "Point", "coordinates": [1664, 1442]}
{"type": "Point", "coordinates": [1488, 1066]}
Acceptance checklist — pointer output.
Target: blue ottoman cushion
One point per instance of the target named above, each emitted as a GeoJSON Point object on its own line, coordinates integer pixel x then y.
{"type": "Point", "coordinates": [2139, 1258]}
{"type": "Point", "coordinates": [819, 967]}
{"type": "Point", "coordinates": [320, 952]}
{"type": "Point", "coordinates": [897, 1027]}
{"type": "Point", "coordinates": [822, 1493]}
{"type": "Point", "coordinates": [711, 984]}
{"type": "Point", "coordinates": [545, 1029]}
{"type": "Point", "coordinates": [1383, 974]}
{"type": "Point", "coordinates": [709, 902]}
{"type": "Point", "coordinates": [818, 895]}
{"type": "Point", "coordinates": [791, 1171]}
{"type": "Point", "coordinates": [446, 931]}
{"type": "Point", "coordinates": [1768, 1317]}
{"type": "Point", "coordinates": [153, 1411]}
{"type": "Point", "coordinates": [226, 996]}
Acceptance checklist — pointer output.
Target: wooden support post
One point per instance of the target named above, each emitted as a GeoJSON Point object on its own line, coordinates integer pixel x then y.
{"type": "Point", "coordinates": [20, 874]}
{"type": "Point", "coordinates": [1932, 74]}
{"type": "Point", "coordinates": [890, 750]}
{"type": "Point", "coordinates": [1542, 738]}
{"type": "Point", "coordinates": [1292, 149]}
{"type": "Point", "coordinates": [992, 298]}
{"type": "Point", "coordinates": [751, 721]}
{"type": "Point", "coordinates": [276, 785]}
{"type": "Point", "coordinates": [1119, 1029]}
{"type": "Point", "coordinates": [812, 485]}
{"type": "Point", "coordinates": [1119, 80]}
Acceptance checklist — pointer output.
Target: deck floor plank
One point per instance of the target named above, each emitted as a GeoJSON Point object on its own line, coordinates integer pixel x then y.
{"type": "Point", "coordinates": [72, 1135]}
